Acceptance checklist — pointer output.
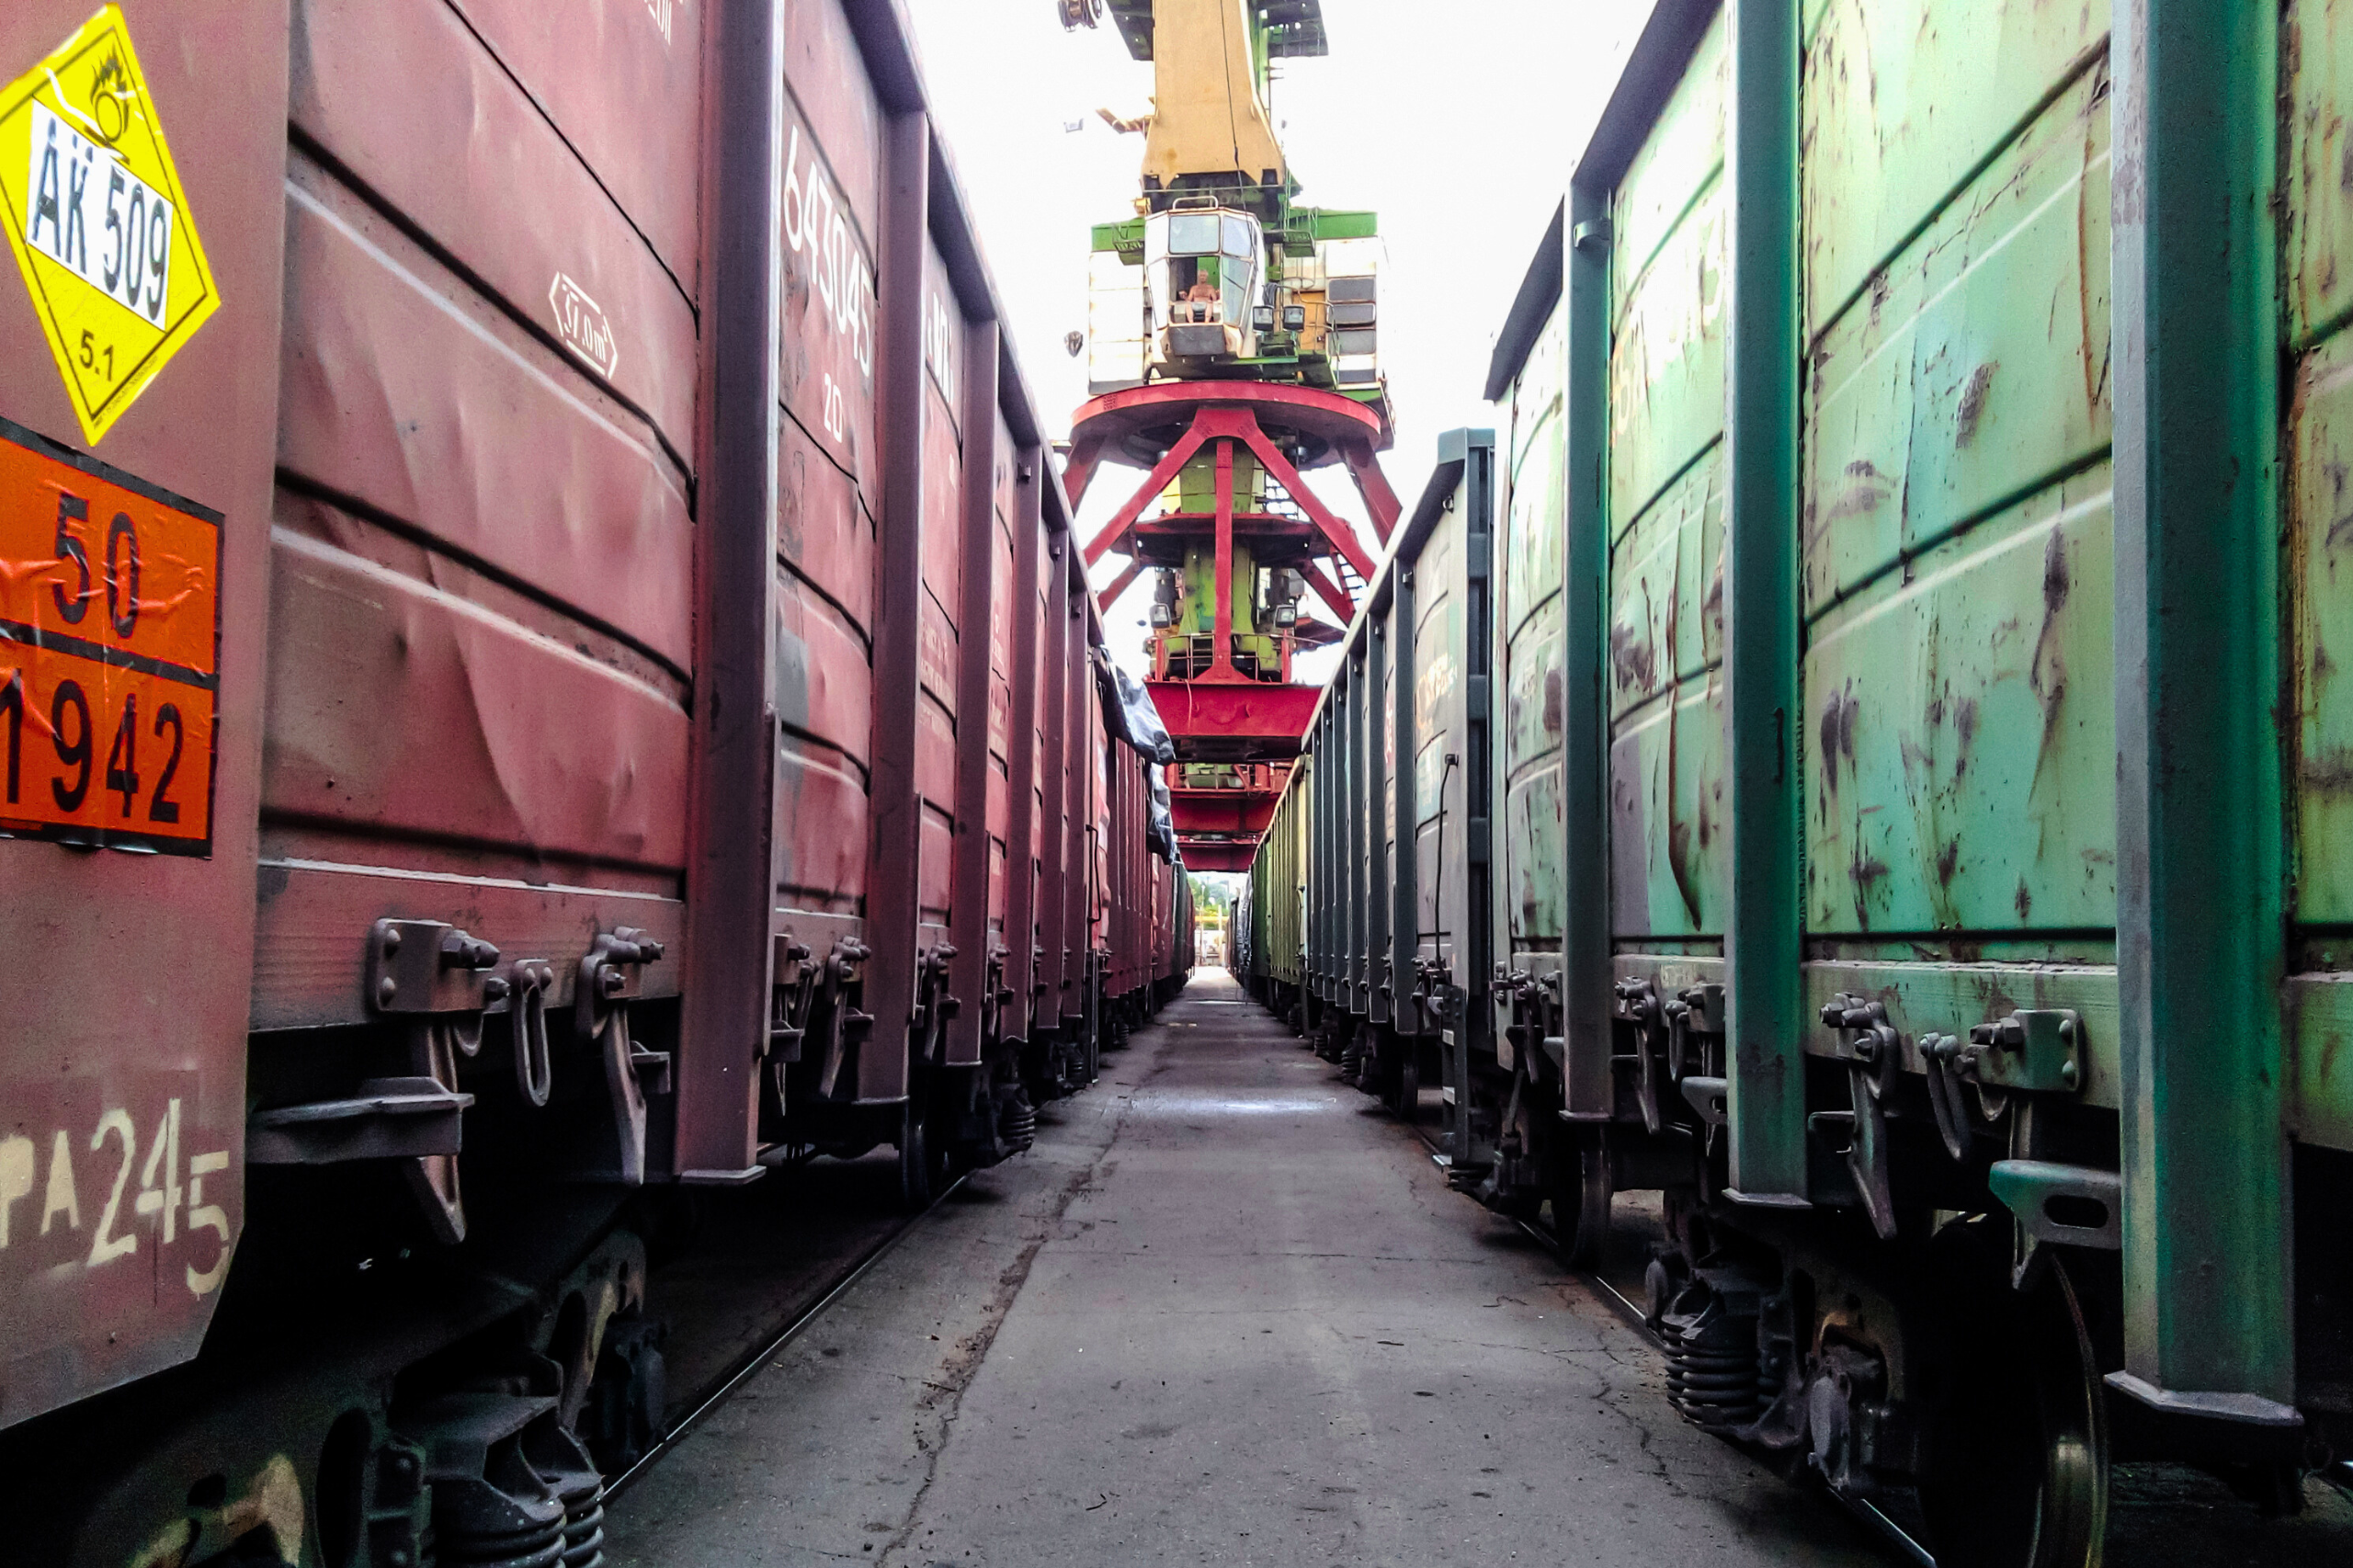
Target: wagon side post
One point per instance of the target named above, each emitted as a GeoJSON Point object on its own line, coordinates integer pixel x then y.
{"type": "Point", "coordinates": [969, 920]}
{"type": "Point", "coordinates": [1476, 1023]}
{"type": "Point", "coordinates": [1380, 979]}
{"type": "Point", "coordinates": [1586, 996]}
{"type": "Point", "coordinates": [731, 873]}
{"type": "Point", "coordinates": [1359, 814]}
{"type": "Point", "coordinates": [1763, 944]}
{"type": "Point", "coordinates": [1021, 761]}
{"type": "Point", "coordinates": [1405, 888]}
{"type": "Point", "coordinates": [1053, 709]}
{"type": "Point", "coordinates": [891, 883]}
{"type": "Point", "coordinates": [2200, 905]}
{"type": "Point", "coordinates": [1078, 816]}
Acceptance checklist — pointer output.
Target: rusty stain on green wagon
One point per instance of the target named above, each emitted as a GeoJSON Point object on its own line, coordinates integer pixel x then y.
{"type": "Point", "coordinates": [1955, 522]}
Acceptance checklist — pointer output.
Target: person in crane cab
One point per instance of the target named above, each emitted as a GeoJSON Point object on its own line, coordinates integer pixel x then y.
{"type": "Point", "coordinates": [1202, 297]}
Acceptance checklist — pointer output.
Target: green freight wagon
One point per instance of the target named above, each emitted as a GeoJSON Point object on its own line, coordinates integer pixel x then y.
{"type": "Point", "coordinates": [1922, 798]}
{"type": "Point", "coordinates": [1394, 802]}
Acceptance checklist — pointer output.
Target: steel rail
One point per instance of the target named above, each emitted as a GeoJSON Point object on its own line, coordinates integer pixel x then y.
{"type": "Point", "coordinates": [747, 1366]}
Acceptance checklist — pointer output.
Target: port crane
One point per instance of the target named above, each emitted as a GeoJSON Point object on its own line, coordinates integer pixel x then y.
{"type": "Point", "coordinates": [1233, 342]}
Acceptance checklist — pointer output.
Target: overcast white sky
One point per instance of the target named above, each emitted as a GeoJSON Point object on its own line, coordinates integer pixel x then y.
{"type": "Point", "coordinates": [1455, 119]}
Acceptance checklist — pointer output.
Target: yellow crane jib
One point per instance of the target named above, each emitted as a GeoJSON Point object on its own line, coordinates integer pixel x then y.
{"type": "Point", "coordinates": [1208, 121]}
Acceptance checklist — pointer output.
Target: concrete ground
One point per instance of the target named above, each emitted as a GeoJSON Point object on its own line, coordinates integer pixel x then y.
{"type": "Point", "coordinates": [1225, 1311]}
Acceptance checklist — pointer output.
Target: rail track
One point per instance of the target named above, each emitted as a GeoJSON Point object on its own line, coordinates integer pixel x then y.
{"type": "Point", "coordinates": [835, 1280]}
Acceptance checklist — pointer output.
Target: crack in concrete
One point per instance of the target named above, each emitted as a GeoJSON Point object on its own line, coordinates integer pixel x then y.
{"type": "Point", "coordinates": [964, 1365]}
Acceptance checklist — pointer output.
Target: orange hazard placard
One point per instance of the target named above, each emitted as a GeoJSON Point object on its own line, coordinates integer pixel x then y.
{"type": "Point", "coordinates": [109, 645]}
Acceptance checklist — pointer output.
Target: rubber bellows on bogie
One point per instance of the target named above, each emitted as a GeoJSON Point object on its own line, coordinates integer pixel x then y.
{"type": "Point", "coordinates": [511, 1488]}
{"type": "Point", "coordinates": [1715, 1376]}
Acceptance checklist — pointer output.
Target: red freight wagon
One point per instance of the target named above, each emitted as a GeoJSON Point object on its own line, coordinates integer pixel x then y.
{"type": "Point", "coordinates": [540, 664]}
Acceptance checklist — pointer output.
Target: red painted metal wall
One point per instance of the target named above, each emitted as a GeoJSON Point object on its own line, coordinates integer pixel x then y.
{"type": "Point", "coordinates": [587, 566]}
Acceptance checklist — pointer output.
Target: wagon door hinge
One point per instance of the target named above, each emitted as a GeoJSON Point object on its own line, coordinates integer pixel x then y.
{"type": "Point", "coordinates": [847, 1026]}
{"type": "Point", "coordinates": [999, 992]}
{"type": "Point", "coordinates": [612, 976]}
{"type": "Point", "coordinates": [934, 1007]}
{"type": "Point", "coordinates": [793, 994]}
{"type": "Point", "coordinates": [1639, 1005]}
{"type": "Point", "coordinates": [1873, 1052]}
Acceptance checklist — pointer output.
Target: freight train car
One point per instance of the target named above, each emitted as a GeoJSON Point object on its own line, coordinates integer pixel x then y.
{"type": "Point", "coordinates": [1907, 812]}
{"type": "Point", "coordinates": [1272, 949]}
{"type": "Point", "coordinates": [1375, 932]}
{"type": "Point", "coordinates": [1150, 944]}
{"type": "Point", "coordinates": [545, 667]}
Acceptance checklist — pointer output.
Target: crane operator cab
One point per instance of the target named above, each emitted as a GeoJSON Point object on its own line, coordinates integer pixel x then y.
{"type": "Point", "coordinates": [1199, 290]}
{"type": "Point", "coordinates": [1202, 283]}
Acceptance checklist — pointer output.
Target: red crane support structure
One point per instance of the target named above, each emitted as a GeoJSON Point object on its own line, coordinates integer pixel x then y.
{"type": "Point", "coordinates": [1227, 697]}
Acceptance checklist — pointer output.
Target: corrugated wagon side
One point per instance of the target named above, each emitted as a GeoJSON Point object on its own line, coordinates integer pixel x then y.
{"type": "Point", "coordinates": [602, 703]}
{"type": "Point", "coordinates": [1942, 872]}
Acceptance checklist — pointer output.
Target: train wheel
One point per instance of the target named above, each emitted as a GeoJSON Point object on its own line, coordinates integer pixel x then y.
{"type": "Point", "coordinates": [1409, 1086]}
{"type": "Point", "coordinates": [2019, 1475]}
{"type": "Point", "coordinates": [915, 1157]}
{"type": "Point", "coordinates": [1581, 1207]}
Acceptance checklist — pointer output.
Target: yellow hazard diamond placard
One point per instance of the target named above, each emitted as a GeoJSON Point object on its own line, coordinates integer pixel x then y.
{"type": "Point", "coordinates": [94, 212]}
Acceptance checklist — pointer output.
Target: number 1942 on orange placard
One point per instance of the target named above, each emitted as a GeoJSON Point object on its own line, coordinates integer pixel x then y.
{"type": "Point", "coordinates": [109, 654]}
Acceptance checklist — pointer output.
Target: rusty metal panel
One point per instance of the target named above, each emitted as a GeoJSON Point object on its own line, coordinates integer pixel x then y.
{"type": "Point", "coordinates": [1534, 522]}
{"type": "Point", "coordinates": [1667, 260]}
{"type": "Point", "coordinates": [2320, 1088]}
{"type": "Point", "coordinates": [824, 533]}
{"type": "Point", "coordinates": [479, 542]}
{"type": "Point", "coordinates": [2319, 451]}
{"type": "Point", "coordinates": [315, 911]}
{"type": "Point", "coordinates": [2317, 78]}
{"type": "Point", "coordinates": [2316, 53]}
{"type": "Point", "coordinates": [940, 647]}
{"type": "Point", "coordinates": [1438, 739]}
{"type": "Point", "coordinates": [831, 221]}
{"type": "Point", "coordinates": [821, 815]}
{"type": "Point", "coordinates": [945, 351]}
{"type": "Point", "coordinates": [1960, 724]}
{"type": "Point", "coordinates": [936, 784]}
{"type": "Point", "coordinates": [128, 1035]}
{"type": "Point", "coordinates": [825, 684]}
{"type": "Point", "coordinates": [830, 95]}
{"type": "Point", "coordinates": [594, 69]}
{"type": "Point", "coordinates": [1669, 850]}
{"type": "Point", "coordinates": [404, 95]}
{"type": "Point", "coordinates": [382, 656]}
{"type": "Point", "coordinates": [1975, 371]}
{"type": "Point", "coordinates": [408, 396]}
{"type": "Point", "coordinates": [1960, 733]}
{"type": "Point", "coordinates": [1668, 847]}
{"type": "Point", "coordinates": [1889, 141]}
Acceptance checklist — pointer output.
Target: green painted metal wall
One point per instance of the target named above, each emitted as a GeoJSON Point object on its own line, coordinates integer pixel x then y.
{"type": "Point", "coordinates": [1665, 500]}
{"type": "Point", "coordinates": [1534, 518]}
{"type": "Point", "coordinates": [2316, 84]}
{"type": "Point", "coordinates": [2019, 643]}
{"type": "Point", "coordinates": [1957, 536]}
{"type": "Point", "coordinates": [1277, 878]}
